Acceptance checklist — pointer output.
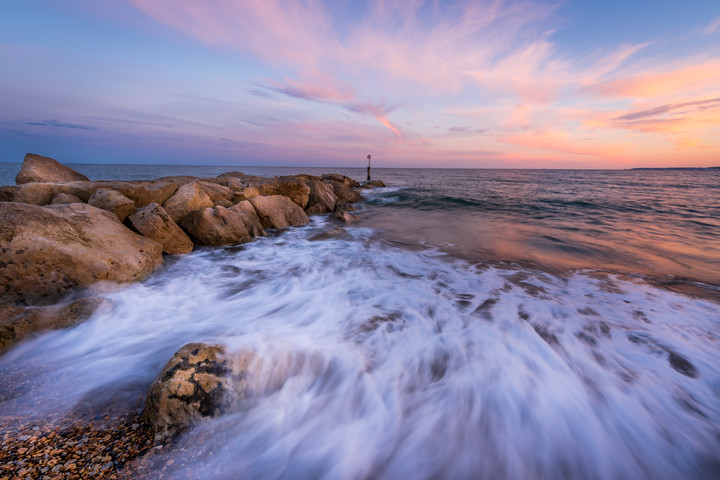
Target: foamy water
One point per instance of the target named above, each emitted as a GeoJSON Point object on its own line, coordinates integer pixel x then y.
{"type": "Point", "coordinates": [386, 361]}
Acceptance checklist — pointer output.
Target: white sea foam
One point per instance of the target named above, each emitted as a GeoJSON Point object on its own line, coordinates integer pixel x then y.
{"type": "Point", "coordinates": [382, 362]}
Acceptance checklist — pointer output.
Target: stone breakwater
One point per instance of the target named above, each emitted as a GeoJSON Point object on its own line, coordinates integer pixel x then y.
{"type": "Point", "coordinates": [62, 236]}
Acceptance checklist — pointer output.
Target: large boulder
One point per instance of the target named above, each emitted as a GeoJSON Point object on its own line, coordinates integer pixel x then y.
{"type": "Point", "coordinates": [199, 381]}
{"type": "Point", "coordinates": [145, 192]}
{"type": "Point", "coordinates": [188, 198]}
{"type": "Point", "coordinates": [322, 199]}
{"type": "Point", "coordinates": [344, 193]}
{"type": "Point", "coordinates": [344, 179]}
{"type": "Point", "coordinates": [220, 195]}
{"type": "Point", "coordinates": [277, 211]}
{"type": "Point", "coordinates": [64, 198]}
{"type": "Point", "coordinates": [45, 252]}
{"type": "Point", "coordinates": [153, 222]}
{"type": "Point", "coordinates": [291, 187]}
{"type": "Point", "coordinates": [222, 226]}
{"type": "Point", "coordinates": [36, 168]}
{"type": "Point", "coordinates": [112, 201]}
{"type": "Point", "coordinates": [19, 323]}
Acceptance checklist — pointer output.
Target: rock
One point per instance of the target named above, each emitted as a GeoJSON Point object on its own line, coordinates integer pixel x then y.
{"type": "Point", "coordinates": [228, 175]}
{"type": "Point", "coordinates": [64, 198]}
{"type": "Point", "coordinates": [344, 216]}
{"type": "Point", "coordinates": [344, 193]}
{"type": "Point", "coordinates": [112, 201]}
{"type": "Point", "coordinates": [45, 252]}
{"type": "Point", "coordinates": [221, 226]}
{"type": "Point", "coordinates": [8, 192]}
{"type": "Point", "coordinates": [305, 177]}
{"type": "Point", "coordinates": [146, 192]}
{"type": "Point", "coordinates": [180, 180]}
{"type": "Point", "coordinates": [291, 187]}
{"type": "Point", "coordinates": [199, 381]}
{"type": "Point", "coordinates": [153, 222]}
{"type": "Point", "coordinates": [34, 193]}
{"type": "Point", "coordinates": [321, 198]}
{"type": "Point", "coordinates": [18, 323]}
{"type": "Point", "coordinates": [373, 184]}
{"type": "Point", "coordinates": [188, 198]}
{"type": "Point", "coordinates": [250, 218]}
{"type": "Point", "coordinates": [277, 211]}
{"type": "Point", "coordinates": [220, 195]}
{"type": "Point", "coordinates": [36, 168]}
{"type": "Point", "coordinates": [336, 177]}
{"type": "Point", "coordinates": [338, 233]}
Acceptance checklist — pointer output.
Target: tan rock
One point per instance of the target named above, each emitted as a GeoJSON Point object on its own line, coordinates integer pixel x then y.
{"type": "Point", "coordinates": [188, 198]}
{"type": "Point", "coordinates": [322, 199]}
{"type": "Point", "coordinates": [336, 177]}
{"type": "Point", "coordinates": [36, 168]}
{"type": "Point", "coordinates": [373, 184]}
{"type": "Point", "coordinates": [250, 218]}
{"type": "Point", "coordinates": [146, 192]}
{"type": "Point", "coordinates": [8, 192]}
{"type": "Point", "coordinates": [344, 193]}
{"type": "Point", "coordinates": [291, 187]}
{"type": "Point", "coordinates": [220, 195]}
{"type": "Point", "coordinates": [199, 381]}
{"type": "Point", "coordinates": [34, 193]}
{"type": "Point", "coordinates": [180, 180]}
{"type": "Point", "coordinates": [220, 226]}
{"type": "Point", "coordinates": [45, 252]}
{"type": "Point", "coordinates": [153, 222]}
{"type": "Point", "coordinates": [344, 216]}
{"type": "Point", "coordinates": [112, 201]}
{"type": "Point", "coordinates": [20, 323]}
{"type": "Point", "coordinates": [64, 198]}
{"type": "Point", "coordinates": [277, 211]}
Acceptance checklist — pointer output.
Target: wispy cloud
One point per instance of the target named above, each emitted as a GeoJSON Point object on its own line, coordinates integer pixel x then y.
{"type": "Point", "coordinates": [57, 124]}
{"type": "Point", "coordinates": [712, 27]}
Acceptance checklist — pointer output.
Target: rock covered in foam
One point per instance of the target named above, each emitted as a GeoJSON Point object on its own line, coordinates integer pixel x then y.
{"type": "Point", "coordinates": [37, 168]}
{"type": "Point", "coordinates": [199, 381]}
{"type": "Point", "coordinates": [45, 252]}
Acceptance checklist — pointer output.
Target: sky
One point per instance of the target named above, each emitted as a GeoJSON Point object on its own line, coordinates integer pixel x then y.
{"type": "Point", "coordinates": [479, 84]}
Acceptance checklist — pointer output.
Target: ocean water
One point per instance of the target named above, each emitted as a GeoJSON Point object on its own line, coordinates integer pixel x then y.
{"type": "Point", "coordinates": [472, 324]}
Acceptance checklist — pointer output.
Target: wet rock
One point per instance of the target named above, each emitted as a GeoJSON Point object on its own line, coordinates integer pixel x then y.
{"type": "Point", "coordinates": [277, 211]}
{"type": "Point", "coordinates": [336, 177]}
{"type": "Point", "coordinates": [188, 198]}
{"type": "Point", "coordinates": [18, 323]}
{"type": "Point", "coordinates": [290, 187]}
{"type": "Point", "coordinates": [344, 216]}
{"type": "Point", "coordinates": [682, 365]}
{"type": "Point", "coordinates": [373, 184]}
{"type": "Point", "coordinates": [221, 226]}
{"type": "Point", "coordinates": [321, 199]}
{"type": "Point", "coordinates": [153, 222]}
{"type": "Point", "coordinates": [199, 381]}
{"type": "Point", "coordinates": [332, 234]}
{"type": "Point", "coordinates": [344, 193]}
{"type": "Point", "coordinates": [64, 199]}
{"type": "Point", "coordinates": [37, 168]}
{"type": "Point", "coordinates": [45, 252]}
{"type": "Point", "coordinates": [112, 201]}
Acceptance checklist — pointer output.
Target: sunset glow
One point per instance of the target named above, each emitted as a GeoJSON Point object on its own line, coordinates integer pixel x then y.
{"type": "Point", "coordinates": [504, 84]}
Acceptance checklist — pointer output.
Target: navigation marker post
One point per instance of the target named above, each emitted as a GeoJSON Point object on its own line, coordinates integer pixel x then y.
{"type": "Point", "coordinates": [368, 157]}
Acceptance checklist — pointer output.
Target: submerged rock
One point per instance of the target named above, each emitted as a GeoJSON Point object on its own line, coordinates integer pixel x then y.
{"type": "Point", "coordinates": [153, 222]}
{"type": "Point", "coordinates": [276, 211]}
{"type": "Point", "coordinates": [199, 381]}
{"type": "Point", "coordinates": [45, 252]}
{"type": "Point", "coordinates": [19, 323]}
{"type": "Point", "coordinates": [373, 184]}
{"type": "Point", "coordinates": [344, 216]}
{"type": "Point", "coordinates": [37, 168]}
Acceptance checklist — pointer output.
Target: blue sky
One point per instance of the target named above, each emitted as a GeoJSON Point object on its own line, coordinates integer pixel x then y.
{"type": "Point", "coordinates": [458, 84]}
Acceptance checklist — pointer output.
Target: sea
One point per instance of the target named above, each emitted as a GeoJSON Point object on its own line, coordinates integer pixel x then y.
{"type": "Point", "coordinates": [493, 324]}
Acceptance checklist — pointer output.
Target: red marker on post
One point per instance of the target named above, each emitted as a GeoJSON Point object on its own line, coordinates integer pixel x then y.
{"type": "Point", "coordinates": [368, 157]}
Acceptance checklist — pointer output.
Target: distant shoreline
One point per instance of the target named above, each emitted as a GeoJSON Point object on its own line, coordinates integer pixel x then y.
{"type": "Point", "coordinates": [675, 168]}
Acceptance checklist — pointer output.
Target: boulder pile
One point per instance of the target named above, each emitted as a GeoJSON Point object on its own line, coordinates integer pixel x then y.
{"type": "Point", "coordinates": [61, 232]}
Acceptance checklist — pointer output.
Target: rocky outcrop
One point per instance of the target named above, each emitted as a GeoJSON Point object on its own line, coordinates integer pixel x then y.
{"type": "Point", "coordinates": [291, 187]}
{"type": "Point", "coordinates": [277, 211]}
{"type": "Point", "coordinates": [321, 199]}
{"type": "Point", "coordinates": [373, 184]}
{"type": "Point", "coordinates": [45, 252]}
{"type": "Point", "coordinates": [199, 381]}
{"type": "Point", "coordinates": [221, 226]}
{"type": "Point", "coordinates": [36, 168]}
{"type": "Point", "coordinates": [153, 222]}
{"type": "Point", "coordinates": [344, 193]}
{"type": "Point", "coordinates": [112, 201]}
{"type": "Point", "coordinates": [336, 177]}
{"type": "Point", "coordinates": [19, 323]}
{"type": "Point", "coordinates": [188, 198]}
